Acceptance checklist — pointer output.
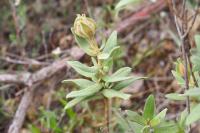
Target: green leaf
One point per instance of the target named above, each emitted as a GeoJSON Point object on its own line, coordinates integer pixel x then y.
{"type": "Point", "coordinates": [84, 45]}
{"type": "Point", "coordinates": [110, 93]}
{"type": "Point", "coordinates": [137, 128]}
{"type": "Point", "coordinates": [82, 83]}
{"type": "Point", "coordinates": [85, 92]}
{"type": "Point", "coordinates": [119, 75]}
{"type": "Point", "coordinates": [108, 64]}
{"type": "Point", "coordinates": [196, 62]}
{"type": "Point", "coordinates": [178, 77]}
{"type": "Point", "coordinates": [123, 3]}
{"type": "Point", "coordinates": [194, 115]}
{"type": "Point", "coordinates": [182, 118]}
{"type": "Point", "coordinates": [175, 96]}
{"type": "Point", "coordinates": [104, 56]}
{"type": "Point", "coordinates": [111, 42]}
{"type": "Point", "coordinates": [74, 102]}
{"type": "Point", "coordinates": [135, 117]}
{"type": "Point", "coordinates": [120, 120]}
{"type": "Point", "coordinates": [149, 108]}
{"type": "Point", "coordinates": [158, 118]}
{"type": "Point", "coordinates": [82, 69]}
{"type": "Point", "coordinates": [126, 83]}
{"type": "Point", "coordinates": [194, 92]}
{"type": "Point", "coordinates": [33, 128]}
{"type": "Point", "coordinates": [197, 41]}
{"type": "Point", "coordinates": [167, 128]}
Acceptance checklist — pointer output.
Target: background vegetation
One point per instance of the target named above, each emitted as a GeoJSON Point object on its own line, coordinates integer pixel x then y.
{"type": "Point", "coordinates": [36, 42]}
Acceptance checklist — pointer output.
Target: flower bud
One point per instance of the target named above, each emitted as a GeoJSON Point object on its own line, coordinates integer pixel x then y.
{"type": "Point", "coordinates": [84, 27]}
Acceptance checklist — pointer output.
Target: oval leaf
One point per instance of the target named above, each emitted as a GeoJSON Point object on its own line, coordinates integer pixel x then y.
{"type": "Point", "coordinates": [82, 68]}
{"type": "Point", "coordinates": [119, 75]}
{"type": "Point", "coordinates": [74, 102]}
{"type": "Point", "coordinates": [104, 56]}
{"type": "Point", "coordinates": [149, 108]}
{"type": "Point", "coordinates": [85, 92]}
{"type": "Point", "coordinates": [111, 42]}
{"type": "Point", "coordinates": [158, 118]}
{"type": "Point", "coordinates": [83, 44]}
{"type": "Point", "coordinates": [175, 96]}
{"type": "Point", "coordinates": [126, 83]}
{"type": "Point", "coordinates": [82, 83]}
{"type": "Point", "coordinates": [194, 115]}
{"type": "Point", "coordinates": [135, 117]}
{"type": "Point", "coordinates": [110, 93]}
{"type": "Point", "coordinates": [194, 92]}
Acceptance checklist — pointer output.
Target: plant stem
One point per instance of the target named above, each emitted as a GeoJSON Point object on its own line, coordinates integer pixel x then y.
{"type": "Point", "coordinates": [186, 75]}
{"type": "Point", "coordinates": [108, 113]}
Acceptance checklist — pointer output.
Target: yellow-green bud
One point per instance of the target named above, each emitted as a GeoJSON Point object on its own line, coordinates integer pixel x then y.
{"type": "Point", "coordinates": [84, 27]}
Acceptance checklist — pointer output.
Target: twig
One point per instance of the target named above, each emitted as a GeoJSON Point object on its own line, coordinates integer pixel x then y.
{"type": "Point", "coordinates": [24, 62]}
{"type": "Point", "coordinates": [21, 78]}
{"type": "Point", "coordinates": [34, 82]}
{"type": "Point", "coordinates": [21, 111]}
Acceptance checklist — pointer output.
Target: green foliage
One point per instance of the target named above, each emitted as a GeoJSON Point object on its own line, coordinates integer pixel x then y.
{"type": "Point", "coordinates": [83, 69]}
{"type": "Point", "coordinates": [49, 120]}
{"type": "Point", "coordinates": [194, 115]}
{"type": "Point", "coordinates": [100, 82]}
{"type": "Point", "coordinates": [175, 96]}
{"type": "Point", "coordinates": [149, 108]}
{"type": "Point", "coordinates": [74, 102]}
{"type": "Point", "coordinates": [90, 90]}
{"type": "Point", "coordinates": [135, 117]}
{"type": "Point", "coordinates": [179, 78]}
{"type": "Point", "coordinates": [119, 75]}
{"type": "Point", "coordinates": [84, 45]}
{"type": "Point", "coordinates": [33, 128]}
{"type": "Point", "coordinates": [148, 122]}
{"type": "Point", "coordinates": [194, 91]}
{"type": "Point", "coordinates": [82, 83]}
{"type": "Point", "coordinates": [123, 84]}
{"type": "Point", "coordinates": [110, 93]}
{"type": "Point", "coordinates": [195, 58]}
{"type": "Point", "coordinates": [111, 42]}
